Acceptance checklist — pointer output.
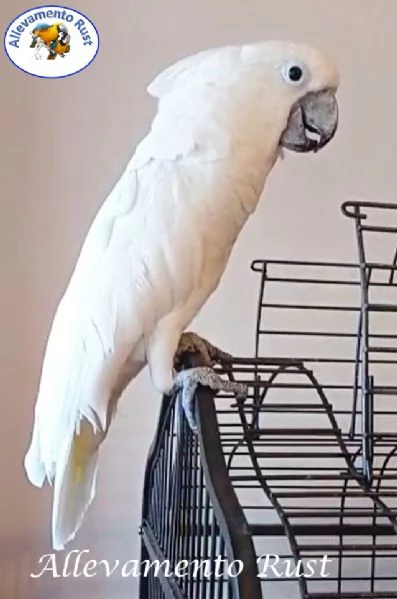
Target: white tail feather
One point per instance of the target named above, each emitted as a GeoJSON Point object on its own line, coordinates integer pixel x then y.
{"type": "Point", "coordinates": [72, 495]}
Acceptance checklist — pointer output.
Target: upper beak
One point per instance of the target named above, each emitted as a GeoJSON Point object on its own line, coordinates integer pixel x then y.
{"type": "Point", "coordinates": [312, 122]}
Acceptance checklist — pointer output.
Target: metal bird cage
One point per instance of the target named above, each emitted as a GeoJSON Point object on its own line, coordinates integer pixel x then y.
{"type": "Point", "coordinates": [306, 468]}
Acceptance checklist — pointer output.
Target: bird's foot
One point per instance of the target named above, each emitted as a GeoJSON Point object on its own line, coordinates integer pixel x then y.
{"type": "Point", "coordinates": [187, 382]}
{"type": "Point", "coordinates": [191, 343]}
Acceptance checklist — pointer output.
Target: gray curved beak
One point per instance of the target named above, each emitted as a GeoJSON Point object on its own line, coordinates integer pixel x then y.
{"type": "Point", "coordinates": [312, 122]}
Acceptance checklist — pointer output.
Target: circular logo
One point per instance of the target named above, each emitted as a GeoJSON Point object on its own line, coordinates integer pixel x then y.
{"type": "Point", "coordinates": [51, 41]}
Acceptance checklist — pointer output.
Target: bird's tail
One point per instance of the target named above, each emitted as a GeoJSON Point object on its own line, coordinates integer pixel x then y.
{"type": "Point", "coordinates": [74, 485]}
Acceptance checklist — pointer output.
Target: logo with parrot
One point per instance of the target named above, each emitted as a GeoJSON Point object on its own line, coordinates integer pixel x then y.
{"type": "Point", "coordinates": [51, 41]}
{"type": "Point", "coordinates": [54, 38]}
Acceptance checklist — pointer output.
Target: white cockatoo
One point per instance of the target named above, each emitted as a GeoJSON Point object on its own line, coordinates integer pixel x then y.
{"type": "Point", "coordinates": [161, 241]}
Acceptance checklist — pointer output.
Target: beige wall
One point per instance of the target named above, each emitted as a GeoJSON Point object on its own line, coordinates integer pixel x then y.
{"type": "Point", "coordinates": [64, 143]}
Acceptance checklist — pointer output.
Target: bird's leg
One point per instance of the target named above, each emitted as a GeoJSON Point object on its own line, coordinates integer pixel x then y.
{"type": "Point", "coordinates": [187, 381]}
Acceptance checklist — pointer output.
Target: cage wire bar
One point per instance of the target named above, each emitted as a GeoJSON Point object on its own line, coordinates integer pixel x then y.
{"type": "Point", "coordinates": [306, 467]}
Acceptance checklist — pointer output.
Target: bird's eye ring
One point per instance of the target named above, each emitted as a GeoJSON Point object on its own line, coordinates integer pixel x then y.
{"type": "Point", "coordinates": [293, 73]}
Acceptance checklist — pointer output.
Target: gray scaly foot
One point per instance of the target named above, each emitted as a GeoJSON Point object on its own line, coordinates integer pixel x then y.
{"type": "Point", "coordinates": [187, 382]}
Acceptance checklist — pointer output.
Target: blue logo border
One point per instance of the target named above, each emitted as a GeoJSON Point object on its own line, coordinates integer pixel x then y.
{"type": "Point", "coordinates": [41, 7]}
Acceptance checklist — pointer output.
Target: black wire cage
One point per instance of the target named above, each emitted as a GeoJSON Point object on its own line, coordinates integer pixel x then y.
{"type": "Point", "coordinates": [292, 492]}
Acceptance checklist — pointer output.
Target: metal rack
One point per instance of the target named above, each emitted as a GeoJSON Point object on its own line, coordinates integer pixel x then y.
{"type": "Point", "coordinates": [306, 467]}
{"type": "Point", "coordinates": [371, 343]}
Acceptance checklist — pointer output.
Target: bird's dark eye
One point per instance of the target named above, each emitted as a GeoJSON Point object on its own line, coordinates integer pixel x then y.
{"type": "Point", "coordinates": [295, 73]}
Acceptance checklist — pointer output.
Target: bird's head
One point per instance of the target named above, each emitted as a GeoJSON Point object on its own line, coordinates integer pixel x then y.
{"type": "Point", "coordinates": [289, 87]}
{"type": "Point", "coordinates": [303, 81]}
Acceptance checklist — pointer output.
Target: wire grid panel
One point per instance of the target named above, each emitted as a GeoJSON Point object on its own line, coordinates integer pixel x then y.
{"type": "Point", "coordinates": [308, 316]}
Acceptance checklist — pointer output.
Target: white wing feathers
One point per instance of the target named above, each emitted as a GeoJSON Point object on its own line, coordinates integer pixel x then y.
{"type": "Point", "coordinates": [82, 338]}
{"type": "Point", "coordinates": [93, 332]}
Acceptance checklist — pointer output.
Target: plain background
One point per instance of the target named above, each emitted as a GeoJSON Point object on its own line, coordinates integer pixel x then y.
{"type": "Point", "coordinates": [64, 144]}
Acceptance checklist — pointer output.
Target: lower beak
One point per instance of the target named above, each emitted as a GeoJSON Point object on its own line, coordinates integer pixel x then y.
{"type": "Point", "coordinates": [312, 122]}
